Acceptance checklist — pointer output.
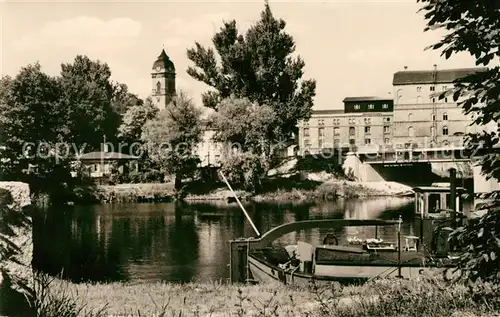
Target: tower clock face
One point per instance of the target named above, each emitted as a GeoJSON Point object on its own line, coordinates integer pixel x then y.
{"type": "Point", "coordinates": [158, 68]}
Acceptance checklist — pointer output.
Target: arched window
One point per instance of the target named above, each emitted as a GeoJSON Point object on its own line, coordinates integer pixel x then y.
{"type": "Point", "coordinates": [445, 130]}
{"type": "Point", "coordinates": [409, 116]}
{"type": "Point", "coordinates": [445, 116]}
{"type": "Point", "coordinates": [158, 86]}
{"type": "Point", "coordinates": [433, 117]}
{"type": "Point", "coordinates": [411, 132]}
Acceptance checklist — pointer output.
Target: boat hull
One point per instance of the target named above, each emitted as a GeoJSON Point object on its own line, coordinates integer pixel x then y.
{"type": "Point", "coordinates": [264, 272]}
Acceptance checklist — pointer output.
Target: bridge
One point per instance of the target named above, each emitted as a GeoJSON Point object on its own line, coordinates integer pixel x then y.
{"type": "Point", "coordinates": [418, 155]}
{"type": "Point", "coordinates": [413, 164]}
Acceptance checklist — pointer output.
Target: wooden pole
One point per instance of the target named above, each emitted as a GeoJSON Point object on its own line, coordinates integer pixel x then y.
{"type": "Point", "coordinates": [241, 206]}
{"type": "Point", "coordinates": [399, 247]}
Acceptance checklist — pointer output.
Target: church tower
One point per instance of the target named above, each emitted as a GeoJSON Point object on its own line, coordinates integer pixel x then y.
{"type": "Point", "coordinates": [163, 80]}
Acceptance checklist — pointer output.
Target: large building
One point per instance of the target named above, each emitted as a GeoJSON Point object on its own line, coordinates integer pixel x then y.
{"type": "Point", "coordinates": [417, 117]}
{"type": "Point", "coordinates": [365, 122]}
{"type": "Point", "coordinates": [421, 119]}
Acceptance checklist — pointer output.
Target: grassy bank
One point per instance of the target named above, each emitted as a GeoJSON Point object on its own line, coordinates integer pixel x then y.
{"type": "Point", "coordinates": [381, 298]}
{"type": "Point", "coordinates": [291, 189]}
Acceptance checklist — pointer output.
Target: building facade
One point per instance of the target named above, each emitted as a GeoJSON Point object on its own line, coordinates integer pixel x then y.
{"type": "Point", "coordinates": [364, 123]}
{"type": "Point", "coordinates": [163, 81]}
{"type": "Point", "coordinates": [421, 118]}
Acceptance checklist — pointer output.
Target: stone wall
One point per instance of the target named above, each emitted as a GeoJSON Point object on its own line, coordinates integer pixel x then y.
{"type": "Point", "coordinates": [20, 193]}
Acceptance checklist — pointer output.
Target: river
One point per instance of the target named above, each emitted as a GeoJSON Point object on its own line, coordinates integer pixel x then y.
{"type": "Point", "coordinates": [186, 242]}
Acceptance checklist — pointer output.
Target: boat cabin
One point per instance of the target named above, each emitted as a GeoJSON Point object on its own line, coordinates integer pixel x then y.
{"type": "Point", "coordinates": [435, 201]}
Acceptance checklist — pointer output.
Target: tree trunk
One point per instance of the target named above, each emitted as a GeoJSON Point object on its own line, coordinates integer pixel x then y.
{"type": "Point", "coordinates": [177, 183]}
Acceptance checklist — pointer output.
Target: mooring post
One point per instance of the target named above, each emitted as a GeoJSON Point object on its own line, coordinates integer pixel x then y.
{"type": "Point", "coordinates": [399, 247]}
{"type": "Point", "coordinates": [238, 260]}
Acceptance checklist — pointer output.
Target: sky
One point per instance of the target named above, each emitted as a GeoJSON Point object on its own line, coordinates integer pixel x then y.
{"type": "Point", "coordinates": [351, 48]}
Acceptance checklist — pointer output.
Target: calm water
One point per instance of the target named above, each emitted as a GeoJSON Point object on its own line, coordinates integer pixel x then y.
{"type": "Point", "coordinates": [181, 242]}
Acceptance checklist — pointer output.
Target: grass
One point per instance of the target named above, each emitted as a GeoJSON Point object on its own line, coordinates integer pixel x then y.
{"type": "Point", "coordinates": [417, 297]}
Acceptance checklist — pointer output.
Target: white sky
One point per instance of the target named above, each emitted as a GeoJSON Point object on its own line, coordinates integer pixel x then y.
{"type": "Point", "coordinates": [352, 48]}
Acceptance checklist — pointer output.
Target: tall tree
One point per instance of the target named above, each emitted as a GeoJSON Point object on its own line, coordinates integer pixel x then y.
{"type": "Point", "coordinates": [171, 138]}
{"type": "Point", "coordinates": [473, 26]}
{"type": "Point", "coordinates": [87, 95]}
{"type": "Point", "coordinates": [258, 66]}
{"type": "Point", "coordinates": [30, 117]}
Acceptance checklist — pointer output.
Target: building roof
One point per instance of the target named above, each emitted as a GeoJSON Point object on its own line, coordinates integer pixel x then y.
{"type": "Point", "coordinates": [427, 76]}
{"type": "Point", "coordinates": [367, 98]}
{"type": "Point", "coordinates": [164, 62]}
{"type": "Point", "coordinates": [91, 156]}
{"type": "Point", "coordinates": [327, 111]}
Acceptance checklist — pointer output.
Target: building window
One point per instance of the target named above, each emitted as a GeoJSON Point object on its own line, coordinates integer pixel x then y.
{"type": "Point", "coordinates": [386, 141]}
{"type": "Point", "coordinates": [445, 116]}
{"type": "Point", "coordinates": [433, 88]}
{"type": "Point", "coordinates": [433, 117]}
{"type": "Point", "coordinates": [352, 121]}
{"type": "Point", "coordinates": [385, 106]}
{"type": "Point", "coordinates": [352, 131]}
{"type": "Point", "coordinates": [307, 143]}
{"type": "Point", "coordinates": [433, 100]}
{"type": "Point", "coordinates": [320, 143]}
{"type": "Point", "coordinates": [419, 89]}
{"type": "Point", "coordinates": [409, 116]}
{"type": "Point", "coordinates": [371, 106]}
{"type": "Point", "coordinates": [445, 130]}
{"type": "Point", "coordinates": [336, 143]}
{"type": "Point", "coordinates": [321, 122]}
{"type": "Point", "coordinates": [367, 129]}
{"type": "Point", "coordinates": [336, 131]}
{"type": "Point", "coordinates": [445, 99]}
{"type": "Point", "coordinates": [368, 141]}
{"type": "Point", "coordinates": [444, 88]}
{"type": "Point", "coordinates": [432, 131]}
{"type": "Point", "coordinates": [336, 121]}
{"type": "Point", "coordinates": [411, 132]}
{"type": "Point", "coordinates": [387, 129]}
{"type": "Point", "coordinates": [352, 141]}
{"type": "Point", "coordinates": [388, 119]}
{"type": "Point", "coordinates": [356, 107]}
{"type": "Point", "coordinates": [158, 86]}
{"type": "Point", "coordinates": [306, 131]}
{"type": "Point", "coordinates": [367, 120]}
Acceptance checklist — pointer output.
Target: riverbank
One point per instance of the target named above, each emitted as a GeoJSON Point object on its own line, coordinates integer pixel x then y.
{"type": "Point", "coordinates": [418, 297]}
{"type": "Point", "coordinates": [312, 188]}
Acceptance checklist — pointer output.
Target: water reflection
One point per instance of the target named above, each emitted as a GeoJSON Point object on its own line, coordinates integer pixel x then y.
{"type": "Point", "coordinates": [181, 242]}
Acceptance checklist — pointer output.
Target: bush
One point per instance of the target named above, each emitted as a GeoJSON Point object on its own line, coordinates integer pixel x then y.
{"type": "Point", "coordinates": [244, 170]}
{"type": "Point", "coordinates": [479, 244]}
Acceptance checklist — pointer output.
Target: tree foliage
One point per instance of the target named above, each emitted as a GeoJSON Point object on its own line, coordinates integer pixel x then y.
{"type": "Point", "coordinates": [44, 120]}
{"type": "Point", "coordinates": [172, 137]}
{"type": "Point", "coordinates": [123, 99]}
{"type": "Point", "coordinates": [259, 66]}
{"type": "Point", "coordinates": [133, 121]}
{"type": "Point", "coordinates": [87, 95]}
{"type": "Point", "coordinates": [473, 26]}
{"type": "Point", "coordinates": [243, 124]}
